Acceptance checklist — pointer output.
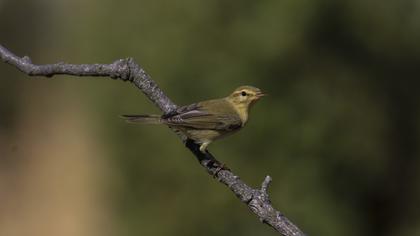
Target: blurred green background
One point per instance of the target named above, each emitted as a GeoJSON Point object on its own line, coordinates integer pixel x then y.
{"type": "Point", "coordinates": [339, 132]}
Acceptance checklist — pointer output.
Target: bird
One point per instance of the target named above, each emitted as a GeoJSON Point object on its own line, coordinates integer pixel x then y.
{"type": "Point", "coordinates": [206, 121]}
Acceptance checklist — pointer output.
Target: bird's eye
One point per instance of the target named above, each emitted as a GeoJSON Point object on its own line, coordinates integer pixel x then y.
{"type": "Point", "coordinates": [243, 93]}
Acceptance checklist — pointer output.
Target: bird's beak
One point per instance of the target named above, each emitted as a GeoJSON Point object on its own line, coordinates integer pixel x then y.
{"type": "Point", "coordinates": [261, 94]}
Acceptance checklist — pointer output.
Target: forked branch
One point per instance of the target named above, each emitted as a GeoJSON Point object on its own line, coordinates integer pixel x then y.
{"type": "Point", "coordinates": [127, 70]}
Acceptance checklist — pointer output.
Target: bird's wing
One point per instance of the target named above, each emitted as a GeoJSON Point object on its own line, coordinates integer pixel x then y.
{"type": "Point", "coordinates": [196, 117]}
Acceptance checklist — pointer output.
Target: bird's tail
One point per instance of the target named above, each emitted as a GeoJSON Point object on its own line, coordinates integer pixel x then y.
{"type": "Point", "coordinates": [145, 119]}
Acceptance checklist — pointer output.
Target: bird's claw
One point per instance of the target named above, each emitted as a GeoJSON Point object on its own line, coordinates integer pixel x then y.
{"type": "Point", "coordinates": [220, 166]}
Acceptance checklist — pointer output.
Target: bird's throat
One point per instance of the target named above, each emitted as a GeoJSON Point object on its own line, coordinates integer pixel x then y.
{"type": "Point", "coordinates": [242, 110]}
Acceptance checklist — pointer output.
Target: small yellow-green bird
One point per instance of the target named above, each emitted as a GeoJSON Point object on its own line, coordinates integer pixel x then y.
{"type": "Point", "coordinates": [206, 121]}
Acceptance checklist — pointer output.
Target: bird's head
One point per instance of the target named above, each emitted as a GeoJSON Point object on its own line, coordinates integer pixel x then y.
{"type": "Point", "coordinates": [244, 96]}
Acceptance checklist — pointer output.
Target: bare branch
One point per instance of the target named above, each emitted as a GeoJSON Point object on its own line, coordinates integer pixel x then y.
{"type": "Point", "coordinates": [123, 69]}
{"type": "Point", "coordinates": [127, 70]}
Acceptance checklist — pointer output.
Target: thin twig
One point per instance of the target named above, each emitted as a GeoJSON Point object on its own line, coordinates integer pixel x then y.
{"type": "Point", "coordinates": [127, 70]}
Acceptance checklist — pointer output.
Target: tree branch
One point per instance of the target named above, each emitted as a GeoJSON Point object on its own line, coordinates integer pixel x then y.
{"type": "Point", "coordinates": [127, 70]}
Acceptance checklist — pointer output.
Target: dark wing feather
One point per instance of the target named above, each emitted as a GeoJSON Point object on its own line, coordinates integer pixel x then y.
{"type": "Point", "coordinates": [196, 117]}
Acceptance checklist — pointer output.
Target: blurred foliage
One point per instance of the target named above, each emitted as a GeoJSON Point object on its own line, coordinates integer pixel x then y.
{"type": "Point", "coordinates": [339, 132]}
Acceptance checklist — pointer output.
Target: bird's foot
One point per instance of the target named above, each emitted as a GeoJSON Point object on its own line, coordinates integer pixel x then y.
{"type": "Point", "coordinates": [219, 167]}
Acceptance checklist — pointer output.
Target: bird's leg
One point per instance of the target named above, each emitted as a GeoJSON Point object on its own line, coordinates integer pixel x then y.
{"type": "Point", "coordinates": [204, 157]}
{"type": "Point", "coordinates": [219, 166]}
{"type": "Point", "coordinates": [203, 147]}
